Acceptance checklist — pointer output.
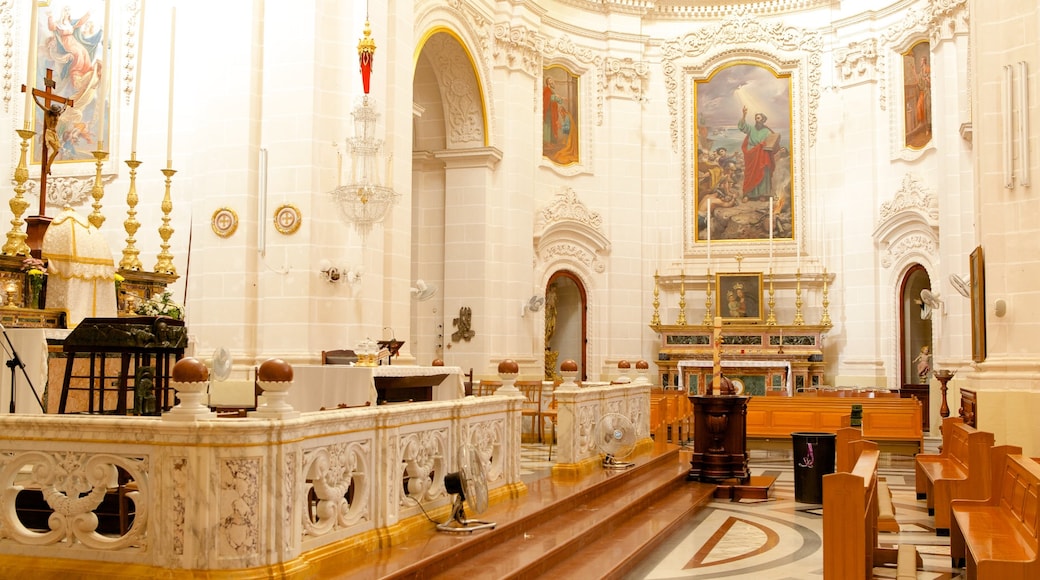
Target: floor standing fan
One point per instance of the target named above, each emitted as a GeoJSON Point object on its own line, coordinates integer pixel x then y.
{"type": "Point", "coordinates": [469, 483]}
{"type": "Point", "coordinates": [616, 439]}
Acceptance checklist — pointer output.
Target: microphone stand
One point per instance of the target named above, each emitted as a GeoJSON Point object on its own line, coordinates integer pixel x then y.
{"type": "Point", "coordinates": [14, 361]}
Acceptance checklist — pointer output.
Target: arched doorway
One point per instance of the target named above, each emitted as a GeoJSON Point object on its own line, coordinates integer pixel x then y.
{"type": "Point", "coordinates": [915, 349]}
{"type": "Point", "coordinates": [565, 322]}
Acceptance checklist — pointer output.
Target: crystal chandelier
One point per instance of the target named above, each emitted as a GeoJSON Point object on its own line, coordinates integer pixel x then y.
{"type": "Point", "coordinates": [366, 198]}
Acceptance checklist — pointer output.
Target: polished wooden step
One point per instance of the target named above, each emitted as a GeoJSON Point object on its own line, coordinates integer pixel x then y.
{"type": "Point", "coordinates": [613, 517]}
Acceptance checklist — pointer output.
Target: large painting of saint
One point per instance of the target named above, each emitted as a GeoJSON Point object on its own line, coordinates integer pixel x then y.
{"type": "Point", "coordinates": [743, 137]}
{"type": "Point", "coordinates": [560, 115]}
{"type": "Point", "coordinates": [69, 39]}
{"type": "Point", "coordinates": [917, 95]}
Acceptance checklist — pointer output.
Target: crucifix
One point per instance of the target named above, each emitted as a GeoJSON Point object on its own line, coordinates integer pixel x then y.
{"type": "Point", "coordinates": [53, 106]}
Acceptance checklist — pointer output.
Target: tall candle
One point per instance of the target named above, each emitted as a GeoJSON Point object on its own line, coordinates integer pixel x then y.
{"type": "Point", "coordinates": [30, 68]}
{"type": "Point", "coordinates": [770, 234]}
{"type": "Point", "coordinates": [709, 232]}
{"type": "Point", "coordinates": [169, 117]}
{"type": "Point", "coordinates": [106, 74]}
{"type": "Point", "coordinates": [137, 79]}
{"type": "Point", "coordinates": [798, 248]}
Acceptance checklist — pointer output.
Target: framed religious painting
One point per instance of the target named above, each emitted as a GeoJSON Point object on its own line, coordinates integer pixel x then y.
{"type": "Point", "coordinates": [917, 95]}
{"type": "Point", "coordinates": [743, 153]}
{"type": "Point", "coordinates": [738, 297]}
{"type": "Point", "coordinates": [560, 110]}
{"type": "Point", "coordinates": [69, 73]}
{"type": "Point", "coordinates": [977, 270]}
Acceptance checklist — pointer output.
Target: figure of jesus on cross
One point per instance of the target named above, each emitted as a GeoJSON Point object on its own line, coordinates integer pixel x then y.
{"type": "Point", "coordinates": [53, 106]}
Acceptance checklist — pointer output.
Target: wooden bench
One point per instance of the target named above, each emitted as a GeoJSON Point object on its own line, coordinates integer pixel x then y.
{"type": "Point", "coordinates": [960, 471]}
{"type": "Point", "coordinates": [997, 537]}
{"type": "Point", "coordinates": [885, 420]}
{"type": "Point", "coordinates": [846, 454]}
{"type": "Point", "coordinates": [850, 522]}
{"type": "Point", "coordinates": [678, 413]}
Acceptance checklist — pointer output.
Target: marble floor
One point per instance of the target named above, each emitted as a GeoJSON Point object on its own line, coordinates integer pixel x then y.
{"type": "Point", "coordinates": [779, 538]}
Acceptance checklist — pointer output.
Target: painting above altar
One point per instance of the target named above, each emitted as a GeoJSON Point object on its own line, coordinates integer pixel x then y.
{"type": "Point", "coordinates": [743, 153]}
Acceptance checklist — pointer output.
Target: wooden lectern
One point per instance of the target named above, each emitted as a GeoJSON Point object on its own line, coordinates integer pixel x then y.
{"type": "Point", "coordinates": [719, 439]}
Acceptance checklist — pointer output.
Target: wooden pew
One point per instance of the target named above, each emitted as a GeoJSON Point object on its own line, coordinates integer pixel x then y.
{"type": "Point", "coordinates": [678, 413]}
{"type": "Point", "coordinates": [850, 525]}
{"type": "Point", "coordinates": [960, 471]}
{"type": "Point", "coordinates": [846, 454]}
{"type": "Point", "coordinates": [997, 537]}
{"type": "Point", "coordinates": [885, 420]}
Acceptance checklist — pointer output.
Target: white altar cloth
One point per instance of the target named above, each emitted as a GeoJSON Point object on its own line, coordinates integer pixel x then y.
{"type": "Point", "coordinates": [317, 386]}
{"type": "Point", "coordinates": [738, 363]}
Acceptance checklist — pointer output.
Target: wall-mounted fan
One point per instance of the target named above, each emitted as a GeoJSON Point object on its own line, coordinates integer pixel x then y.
{"type": "Point", "coordinates": [221, 364]}
{"type": "Point", "coordinates": [616, 439]}
{"type": "Point", "coordinates": [534, 304]}
{"type": "Point", "coordinates": [960, 285]}
{"type": "Point", "coordinates": [930, 301]}
{"type": "Point", "coordinates": [423, 291]}
{"type": "Point", "coordinates": [469, 483]}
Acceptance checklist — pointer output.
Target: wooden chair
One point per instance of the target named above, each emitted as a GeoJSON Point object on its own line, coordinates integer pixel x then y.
{"type": "Point", "coordinates": [483, 388]}
{"type": "Point", "coordinates": [550, 414]}
{"type": "Point", "coordinates": [338, 357]}
{"type": "Point", "coordinates": [532, 406]}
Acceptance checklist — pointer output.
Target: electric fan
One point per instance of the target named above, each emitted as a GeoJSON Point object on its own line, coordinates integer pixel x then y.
{"type": "Point", "coordinates": [221, 364]}
{"type": "Point", "coordinates": [960, 285]}
{"type": "Point", "coordinates": [469, 483]}
{"type": "Point", "coordinates": [930, 301]}
{"type": "Point", "coordinates": [616, 439]}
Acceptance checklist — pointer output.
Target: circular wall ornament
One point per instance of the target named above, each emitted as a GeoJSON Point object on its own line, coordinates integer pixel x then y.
{"type": "Point", "coordinates": [287, 218]}
{"type": "Point", "coordinates": [224, 222]}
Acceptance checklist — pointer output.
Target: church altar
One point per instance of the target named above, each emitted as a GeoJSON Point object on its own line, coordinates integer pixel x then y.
{"type": "Point", "coordinates": [329, 386]}
{"type": "Point", "coordinates": [788, 357]}
{"type": "Point", "coordinates": [702, 385]}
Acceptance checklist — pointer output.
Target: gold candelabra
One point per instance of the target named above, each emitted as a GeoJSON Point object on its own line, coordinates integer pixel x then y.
{"type": "Point", "coordinates": [16, 237]}
{"type": "Point", "coordinates": [655, 319]}
{"type": "Point", "coordinates": [682, 299]}
{"type": "Point", "coordinates": [95, 218]}
{"type": "Point", "coordinates": [825, 319]}
{"type": "Point", "coordinates": [798, 320]}
{"type": "Point", "coordinates": [164, 265]}
{"type": "Point", "coordinates": [771, 320]}
{"type": "Point", "coordinates": [130, 260]}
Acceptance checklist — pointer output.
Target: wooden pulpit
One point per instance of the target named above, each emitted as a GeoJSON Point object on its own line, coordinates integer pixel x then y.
{"type": "Point", "coordinates": [719, 439]}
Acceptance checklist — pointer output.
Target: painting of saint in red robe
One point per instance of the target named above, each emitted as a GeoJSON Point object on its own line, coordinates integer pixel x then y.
{"type": "Point", "coordinates": [560, 115]}
{"type": "Point", "coordinates": [917, 91]}
{"type": "Point", "coordinates": [743, 153]}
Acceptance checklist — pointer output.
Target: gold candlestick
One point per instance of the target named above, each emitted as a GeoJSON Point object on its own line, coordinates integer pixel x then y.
{"type": "Point", "coordinates": [825, 319]}
{"type": "Point", "coordinates": [655, 319]}
{"type": "Point", "coordinates": [798, 320]}
{"type": "Point", "coordinates": [95, 218]}
{"type": "Point", "coordinates": [165, 263]}
{"type": "Point", "coordinates": [682, 300]}
{"type": "Point", "coordinates": [130, 259]}
{"type": "Point", "coordinates": [771, 320]}
{"type": "Point", "coordinates": [16, 237]}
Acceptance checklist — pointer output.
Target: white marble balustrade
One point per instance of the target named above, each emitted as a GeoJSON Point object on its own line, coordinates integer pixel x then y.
{"type": "Point", "coordinates": [579, 409]}
{"type": "Point", "coordinates": [226, 494]}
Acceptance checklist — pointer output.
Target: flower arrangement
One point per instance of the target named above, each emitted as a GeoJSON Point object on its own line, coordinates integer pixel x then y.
{"type": "Point", "coordinates": [34, 268]}
{"type": "Point", "coordinates": [119, 283]}
{"type": "Point", "coordinates": [160, 305]}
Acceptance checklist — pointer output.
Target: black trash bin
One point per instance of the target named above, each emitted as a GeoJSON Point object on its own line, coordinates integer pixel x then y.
{"type": "Point", "coordinates": [813, 458]}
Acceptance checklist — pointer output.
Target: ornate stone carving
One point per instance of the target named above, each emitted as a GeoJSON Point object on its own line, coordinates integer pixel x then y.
{"type": "Point", "coordinates": [857, 63]}
{"type": "Point", "coordinates": [911, 195]}
{"type": "Point", "coordinates": [464, 114]}
{"type": "Point", "coordinates": [569, 230]}
{"type": "Point", "coordinates": [567, 207]}
{"type": "Point", "coordinates": [625, 78]}
{"type": "Point", "coordinates": [913, 243]}
{"type": "Point", "coordinates": [332, 472]}
{"type": "Point", "coordinates": [908, 223]}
